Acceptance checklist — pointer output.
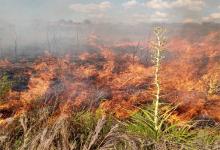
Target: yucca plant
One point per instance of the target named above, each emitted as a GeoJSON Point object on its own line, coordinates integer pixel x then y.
{"type": "Point", "coordinates": [142, 124]}
{"type": "Point", "coordinates": [152, 122]}
{"type": "Point", "coordinates": [158, 47]}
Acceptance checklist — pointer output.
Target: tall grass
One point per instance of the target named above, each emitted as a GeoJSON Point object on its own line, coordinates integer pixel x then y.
{"type": "Point", "coordinates": [40, 130]}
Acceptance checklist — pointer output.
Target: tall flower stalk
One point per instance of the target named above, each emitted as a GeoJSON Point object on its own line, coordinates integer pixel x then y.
{"type": "Point", "coordinates": [158, 47]}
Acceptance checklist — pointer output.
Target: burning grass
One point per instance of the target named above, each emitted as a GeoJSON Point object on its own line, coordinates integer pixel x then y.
{"type": "Point", "coordinates": [42, 100]}
{"type": "Point", "coordinates": [93, 130]}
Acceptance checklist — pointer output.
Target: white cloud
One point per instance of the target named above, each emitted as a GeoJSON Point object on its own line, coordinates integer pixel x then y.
{"type": "Point", "coordinates": [157, 4]}
{"type": "Point", "coordinates": [156, 17]}
{"type": "Point", "coordinates": [130, 4]}
{"type": "Point", "coordinates": [212, 17]}
{"type": "Point", "coordinates": [190, 4]}
{"type": "Point", "coordinates": [105, 5]}
{"type": "Point", "coordinates": [92, 7]}
{"type": "Point", "coordinates": [215, 15]}
{"type": "Point", "coordinates": [159, 16]}
{"type": "Point", "coordinates": [164, 4]}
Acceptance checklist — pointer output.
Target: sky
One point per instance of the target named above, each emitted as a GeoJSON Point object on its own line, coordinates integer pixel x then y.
{"type": "Point", "coordinates": [33, 22]}
{"type": "Point", "coordinates": [125, 11]}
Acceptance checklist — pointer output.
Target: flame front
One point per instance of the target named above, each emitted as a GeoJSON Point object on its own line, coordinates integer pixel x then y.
{"type": "Point", "coordinates": [118, 82]}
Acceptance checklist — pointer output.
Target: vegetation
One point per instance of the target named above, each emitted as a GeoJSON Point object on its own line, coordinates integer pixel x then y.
{"type": "Point", "coordinates": [92, 130]}
{"type": "Point", "coordinates": [34, 130]}
{"type": "Point", "coordinates": [5, 86]}
{"type": "Point", "coordinates": [152, 122]}
{"type": "Point", "coordinates": [149, 128]}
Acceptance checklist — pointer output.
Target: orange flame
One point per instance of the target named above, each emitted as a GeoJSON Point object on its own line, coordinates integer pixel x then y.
{"type": "Point", "coordinates": [117, 82]}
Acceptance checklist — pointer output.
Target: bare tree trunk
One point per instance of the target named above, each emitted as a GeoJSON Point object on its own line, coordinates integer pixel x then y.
{"type": "Point", "coordinates": [48, 41]}
{"type": "Point", "coordinates": [76, 41]}
{"type": "Point", "coordinates": [134, 53]}
{"type": "Point", "coordinates": [54, 42]}
{"type": "Point", "coordinates": [15, 45]}
{"type": "Point", "coordinates": [1, 51]}
{"type": "Point", "coordinates": [77, 36]}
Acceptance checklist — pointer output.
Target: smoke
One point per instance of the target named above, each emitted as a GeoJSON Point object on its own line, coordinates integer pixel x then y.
{"type": "Point", "coordinates": [65, 36]}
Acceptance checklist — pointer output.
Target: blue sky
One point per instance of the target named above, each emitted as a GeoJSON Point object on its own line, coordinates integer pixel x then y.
{"type": "Point", "coordinates": [127, 11]}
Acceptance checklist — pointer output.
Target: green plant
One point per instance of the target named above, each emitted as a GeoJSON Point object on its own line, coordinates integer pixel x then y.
{"type": "Point", "coordinates": [151, 123]}
{"type": "Point", "coordinates": [5, 86]}
{"type": "Point", "coordinates": [142, 124]}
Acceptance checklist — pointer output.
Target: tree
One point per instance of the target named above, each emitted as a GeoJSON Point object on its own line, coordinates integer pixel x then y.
{"type": "Point", "coordinates": [15, 43]}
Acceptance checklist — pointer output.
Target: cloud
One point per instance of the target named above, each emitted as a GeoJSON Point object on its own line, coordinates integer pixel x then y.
{"type": "Point", "coordinates": [130, 4]}
{"type": "Point", "coordinates": [164, 4]}
{"type": "Point", "coordinates": [156, 17]}
{"type": "Point", "coordinates": [90, 8]}
{"type": "Point", "coordinates": [190, 4]}
{"type": "Point", "coordinates": [212, 17]}
{"type": "Point", "coordinates": [157, 4]}
{"type": "Point", "coordinates": [159, 16]}
{"type": "Point", "coordinates": [105, 5]}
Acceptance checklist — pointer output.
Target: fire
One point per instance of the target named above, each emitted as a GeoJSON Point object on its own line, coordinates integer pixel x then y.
{"type": "Point", "coordinates": [4, 63]}
{"type": "Point", "coordinates": [117, 82]}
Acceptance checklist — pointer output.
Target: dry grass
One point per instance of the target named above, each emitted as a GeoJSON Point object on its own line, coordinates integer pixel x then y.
{"type": "Point", "coordinates": [36, 130]}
